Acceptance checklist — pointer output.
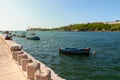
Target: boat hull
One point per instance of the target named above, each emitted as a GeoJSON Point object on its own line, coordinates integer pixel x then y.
{"type": "Point", "coordinates": [76, 51]}
{"type": "Point", "coordinates": [33, 38]}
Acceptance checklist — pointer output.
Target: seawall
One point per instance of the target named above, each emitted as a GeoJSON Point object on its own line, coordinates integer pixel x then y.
{"type": "Point", "coordinates": [31, 68]}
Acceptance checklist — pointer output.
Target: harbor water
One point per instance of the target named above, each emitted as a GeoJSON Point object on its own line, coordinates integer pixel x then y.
{"type": "Point", "coordinates": [104, 65]}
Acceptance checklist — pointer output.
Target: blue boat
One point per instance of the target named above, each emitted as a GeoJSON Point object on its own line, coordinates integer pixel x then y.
{"type": "Point", "coordinates": [84, 51]}
{"type": "Point", "coordinates": [33, 38]}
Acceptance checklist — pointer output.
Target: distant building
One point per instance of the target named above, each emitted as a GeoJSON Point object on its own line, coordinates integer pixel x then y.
{"type": "Point", "coordinates": [113, 22]}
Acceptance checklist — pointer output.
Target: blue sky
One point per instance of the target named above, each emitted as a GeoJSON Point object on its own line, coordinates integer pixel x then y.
{"type": "Point", "coordinates": [21, 14]}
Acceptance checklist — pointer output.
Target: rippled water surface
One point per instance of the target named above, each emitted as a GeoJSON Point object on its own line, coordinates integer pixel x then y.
{"type": "Point", "coordinates": [104, 65]}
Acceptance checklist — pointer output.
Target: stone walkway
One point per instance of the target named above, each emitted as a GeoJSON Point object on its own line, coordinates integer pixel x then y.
{"type": "Point", "coordinates": [9, 70]}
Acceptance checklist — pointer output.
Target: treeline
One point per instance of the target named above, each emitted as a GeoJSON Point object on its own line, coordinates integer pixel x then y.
{"type": "Point", "coordinates": [91, 27]}
{"type": "Point", "coordinates": [96, 26]}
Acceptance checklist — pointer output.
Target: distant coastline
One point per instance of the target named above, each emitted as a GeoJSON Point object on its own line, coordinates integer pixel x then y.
{"type": "Point", "coordinates": [95, 26]}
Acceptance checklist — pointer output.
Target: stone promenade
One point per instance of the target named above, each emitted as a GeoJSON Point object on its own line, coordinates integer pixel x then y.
{"type": "Point", "coordinates": [9, 70]}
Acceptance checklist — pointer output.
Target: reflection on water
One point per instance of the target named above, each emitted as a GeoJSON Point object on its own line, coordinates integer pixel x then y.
{"type": "Point", "coordinates": [104, 65]}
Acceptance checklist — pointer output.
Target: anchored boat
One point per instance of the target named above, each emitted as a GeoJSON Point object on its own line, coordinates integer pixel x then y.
{"type": "Point", "coordinates": [33, 38]}
{"type": "Point", "coordinates": [84, 51]}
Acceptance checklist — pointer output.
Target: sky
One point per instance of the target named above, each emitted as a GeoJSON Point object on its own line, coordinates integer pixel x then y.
{"type": "Point", "coordinates": [21, 14]}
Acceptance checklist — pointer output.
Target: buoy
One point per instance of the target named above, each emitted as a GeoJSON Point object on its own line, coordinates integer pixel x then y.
{"type": "Point", "coordinates": [94, 52]}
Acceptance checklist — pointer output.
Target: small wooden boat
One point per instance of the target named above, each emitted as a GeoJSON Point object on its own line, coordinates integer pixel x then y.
{"type": "Point", "coordinates": [84, 51]}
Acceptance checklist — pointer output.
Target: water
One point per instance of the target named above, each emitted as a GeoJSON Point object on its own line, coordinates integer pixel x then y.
{"type": "Point", "coordinates": [104, 65]}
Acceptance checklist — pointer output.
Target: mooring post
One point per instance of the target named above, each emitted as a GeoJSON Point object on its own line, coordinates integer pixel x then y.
{"type": "Point", "coordinates": [31, 69]}
{"type": "Point", "coordinates": [20, 57]}
{"type": "Point", "coordinates": [43, 75]}
{"type": "Point", "coordinates": [16, 53]}
{"type": "Point", "coordinates": [25, 62]}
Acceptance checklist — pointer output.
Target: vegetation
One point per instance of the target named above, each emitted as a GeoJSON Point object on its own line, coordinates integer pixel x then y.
{"type": "Point", "coordinates": [96, 26]}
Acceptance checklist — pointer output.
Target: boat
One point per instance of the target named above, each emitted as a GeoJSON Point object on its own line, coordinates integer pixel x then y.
{"type": "Point", "coordinates": [22, 35]}
{"type": "Point", "coordinates": [32, 34]}
{"type": "Point", "coordinates": [84, 51]}
{"type": "Point", "coordinates": [33, 38]}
